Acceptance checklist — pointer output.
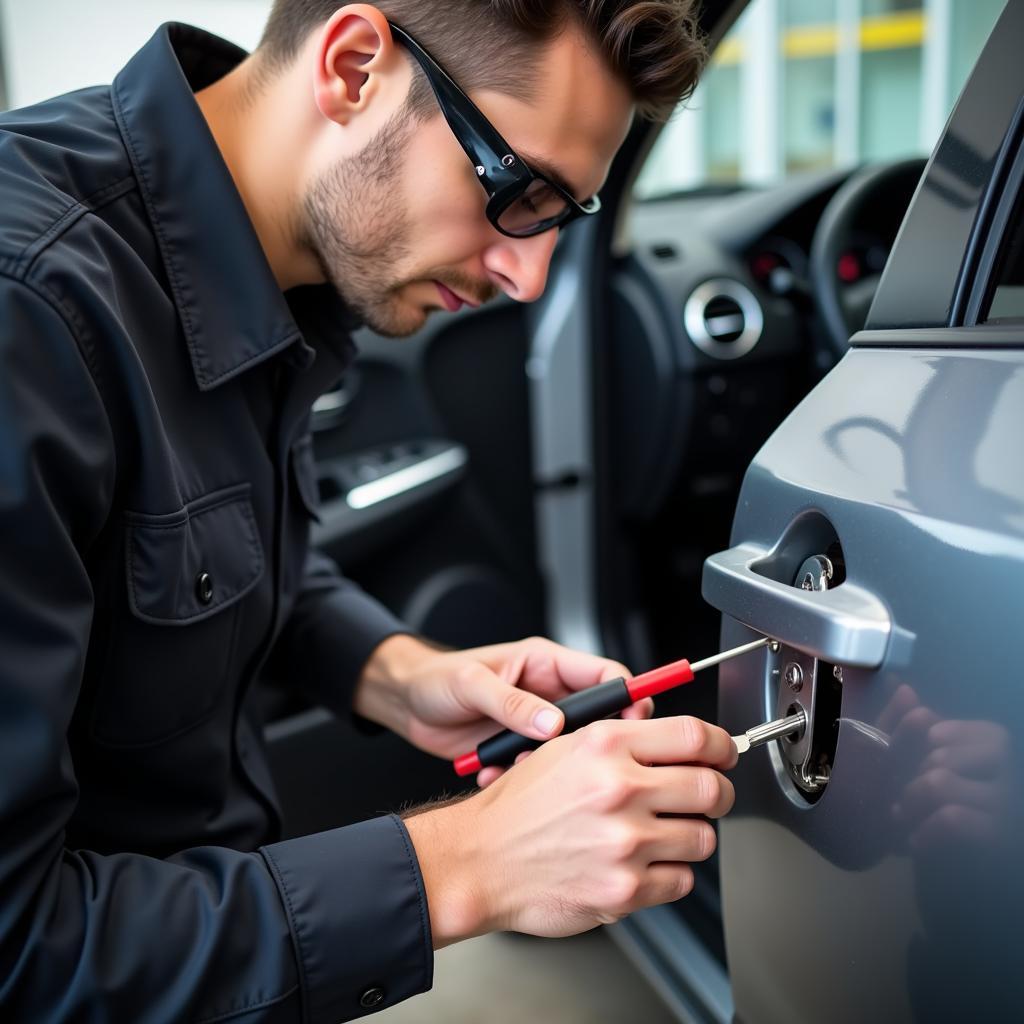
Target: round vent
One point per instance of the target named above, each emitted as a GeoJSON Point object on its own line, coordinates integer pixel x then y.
{"type": "Point", "coordinates": [723, 318]}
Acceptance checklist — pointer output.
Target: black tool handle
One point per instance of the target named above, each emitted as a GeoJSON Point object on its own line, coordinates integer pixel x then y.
{"type": "Point", "coordinates": [580, 708]}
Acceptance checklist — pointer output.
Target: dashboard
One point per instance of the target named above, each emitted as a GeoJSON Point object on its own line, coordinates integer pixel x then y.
{"type": "Point", "coordinates": [717, 312]}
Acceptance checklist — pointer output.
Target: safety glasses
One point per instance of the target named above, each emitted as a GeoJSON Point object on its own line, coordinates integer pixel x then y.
{"type": "Point", "coordinates": [520, 201]}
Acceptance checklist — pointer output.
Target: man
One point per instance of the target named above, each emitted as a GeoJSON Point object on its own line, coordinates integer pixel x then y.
{"type": "Point", "coordinates": [171, 254]}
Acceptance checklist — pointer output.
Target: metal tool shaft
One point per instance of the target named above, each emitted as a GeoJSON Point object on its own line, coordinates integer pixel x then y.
{"type": "Point", "coordinates": [795, 722]}
{"type": "Point", "coordinates": [717, 659]}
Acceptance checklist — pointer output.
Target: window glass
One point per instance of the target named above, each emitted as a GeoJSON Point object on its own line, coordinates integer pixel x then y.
{"type": "Point", "coordinates": [1007, 302]}
{"type": "Point", "coordinates": [887, 6]}
{"type": "Point", "coordinates": [806, 55]}
{"type": "Point", "coordinates": [803, 85]}
{"type": "Point", "coordinates": [722, 99]}
{"type": "Point", "coordinates": [809, 12]}
{"type": "Point", "coordinates": [890, 102]}
{"type": "Point", "coordinates": [808, 114]}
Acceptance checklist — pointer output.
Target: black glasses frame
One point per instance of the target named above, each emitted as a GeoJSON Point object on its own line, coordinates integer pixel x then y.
{"type": "Point", "coordinates": [504, 175]}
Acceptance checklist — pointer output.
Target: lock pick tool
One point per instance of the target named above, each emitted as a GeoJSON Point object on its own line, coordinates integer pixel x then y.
{"type": "Point", "coordinates": [594, 703]}
{"type": "Point", "coordinates": [794, 723]}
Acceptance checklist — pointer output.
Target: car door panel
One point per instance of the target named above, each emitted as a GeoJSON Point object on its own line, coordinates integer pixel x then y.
{"type": "Point", "coordinates": [879, 879]}
{"type": "Point", "coordinates": [845, 908]}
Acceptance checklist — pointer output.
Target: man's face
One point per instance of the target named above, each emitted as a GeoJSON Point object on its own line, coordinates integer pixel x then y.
{"type": "Point", "coordinates": [400, 229]}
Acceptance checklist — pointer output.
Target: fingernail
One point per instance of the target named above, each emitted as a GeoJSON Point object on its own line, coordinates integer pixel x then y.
{"type": "Point", "coordinates": [545, 721]}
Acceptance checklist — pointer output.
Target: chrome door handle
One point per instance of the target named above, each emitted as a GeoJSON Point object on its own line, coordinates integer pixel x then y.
{"type": "Point", "coordinates": [847, 625]}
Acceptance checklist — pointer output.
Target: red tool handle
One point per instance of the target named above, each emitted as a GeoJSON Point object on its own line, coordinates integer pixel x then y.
{"type": "Point", "coordinates": [658, 680]}
{"type": "Point", "coordinates": [580, 709]}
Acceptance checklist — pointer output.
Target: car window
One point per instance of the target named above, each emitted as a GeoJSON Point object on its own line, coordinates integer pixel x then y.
{"type": "Point", "coordinates": [805, 85]}
{"type": "Point", "coordinates": [1006, 304]}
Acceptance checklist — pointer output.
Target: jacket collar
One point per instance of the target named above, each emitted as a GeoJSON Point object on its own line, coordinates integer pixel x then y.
{"type": "Point", "coordinates": [232, 312]}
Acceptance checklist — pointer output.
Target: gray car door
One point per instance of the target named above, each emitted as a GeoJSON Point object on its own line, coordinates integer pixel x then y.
{"type": "Point", "coordinates": [871, 869]}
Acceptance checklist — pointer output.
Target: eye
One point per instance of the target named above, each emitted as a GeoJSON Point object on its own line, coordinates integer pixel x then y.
{"type": "Point", "coordinates": [539, 204]}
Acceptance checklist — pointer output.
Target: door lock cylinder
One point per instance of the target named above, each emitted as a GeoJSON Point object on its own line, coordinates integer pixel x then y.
{"type": "Point", "coordinates": [800, 684]}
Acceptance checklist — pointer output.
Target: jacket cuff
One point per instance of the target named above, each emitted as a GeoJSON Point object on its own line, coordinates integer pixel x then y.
{"type": "Point", "coordinates": [358, 916]}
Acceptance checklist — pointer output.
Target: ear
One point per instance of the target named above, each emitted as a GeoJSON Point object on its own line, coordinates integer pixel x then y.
{"type": "Point", "coordinates": [354, 51]}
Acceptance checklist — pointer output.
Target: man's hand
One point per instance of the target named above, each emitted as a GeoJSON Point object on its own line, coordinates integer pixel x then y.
{"type": "Point", "coordinates": [446, 702]}
{"type": "Point", "coordinates": [583, 832]}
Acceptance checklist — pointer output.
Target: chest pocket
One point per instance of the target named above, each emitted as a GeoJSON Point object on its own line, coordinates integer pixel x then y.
{"type": "Point", "coordinates": [172, 640]}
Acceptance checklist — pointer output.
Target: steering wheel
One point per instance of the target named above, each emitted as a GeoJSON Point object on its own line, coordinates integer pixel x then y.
{"type": "Point", "coordinates": [844, 307]}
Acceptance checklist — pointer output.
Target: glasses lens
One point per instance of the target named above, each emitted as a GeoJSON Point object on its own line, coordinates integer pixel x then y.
{"type": "Point", "coordinates": [538, 208]}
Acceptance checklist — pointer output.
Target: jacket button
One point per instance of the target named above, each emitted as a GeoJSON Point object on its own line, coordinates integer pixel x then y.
{"type": "Point", "coordinates": [204, 588]}
{"type": "Point", "coordinates": [371, 997]}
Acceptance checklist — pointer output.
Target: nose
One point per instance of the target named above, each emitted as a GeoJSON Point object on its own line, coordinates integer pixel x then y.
{"type": "Point", "coordinates": [519, 266]}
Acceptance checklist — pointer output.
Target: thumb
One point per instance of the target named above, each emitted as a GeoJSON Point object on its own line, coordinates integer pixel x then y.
{"type": "Point", "coordinates": [525, 713]}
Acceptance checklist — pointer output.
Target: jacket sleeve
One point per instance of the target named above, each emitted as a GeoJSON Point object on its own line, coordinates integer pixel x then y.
{"type": "Point", "coordinates": [318, 929]}
{"type": "Point", "coordinates": [332, 631]}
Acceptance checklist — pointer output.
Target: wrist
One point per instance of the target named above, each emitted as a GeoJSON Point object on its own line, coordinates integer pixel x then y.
{"type": "Point", "coordinates": [458, 898]}
{"type": "Point", "coordinates": [381, 693]}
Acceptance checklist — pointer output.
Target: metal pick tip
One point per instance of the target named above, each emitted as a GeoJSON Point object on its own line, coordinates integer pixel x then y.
{"type": "Point", "coordinates": [742, 743]}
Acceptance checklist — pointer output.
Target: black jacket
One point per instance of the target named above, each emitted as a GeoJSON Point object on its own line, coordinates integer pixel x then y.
{"type": "Point", "coordinates": [156, 487]}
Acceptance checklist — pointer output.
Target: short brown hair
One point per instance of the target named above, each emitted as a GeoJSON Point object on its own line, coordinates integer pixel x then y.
{"type": "Point", "coordinates": [652, 44]}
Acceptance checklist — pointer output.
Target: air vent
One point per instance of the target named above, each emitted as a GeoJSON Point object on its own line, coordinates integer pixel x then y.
{"type": "Point", "coordinates": [665, 251]}
{"type": "Point", "coordinates": [723, 318]}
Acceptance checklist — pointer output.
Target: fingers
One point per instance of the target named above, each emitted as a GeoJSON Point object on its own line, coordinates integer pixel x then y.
{"type": "Point", "coordinates": [665, 741]}
{"type": "Point", "coordinates": [640, 711]}
{"type": "Point", "coordinates": [689, 790]}
{"type": "Point", "coordinates": [492, 773]}
{"type": "Point", "coordinates": [687, 840]}
{"type": "Point", "coordinates": [546, 667]}
{"type": "Point", "coordinates": [664, 883]}
{"type": "Point", "coordinates": [482, 690]}
{"type": "Point", "coordinates": [488, 775]}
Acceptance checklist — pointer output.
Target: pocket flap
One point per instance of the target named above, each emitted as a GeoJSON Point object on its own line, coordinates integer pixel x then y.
{"type": "Point", "coordinates": [188, 565]}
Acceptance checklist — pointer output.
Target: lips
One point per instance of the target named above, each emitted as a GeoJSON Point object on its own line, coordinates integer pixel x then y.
{"type": "Point", "coordinates": [451, 301]}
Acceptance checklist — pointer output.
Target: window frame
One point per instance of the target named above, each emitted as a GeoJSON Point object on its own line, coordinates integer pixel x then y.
{"type": "Point", "coordinates": [1006, 197]}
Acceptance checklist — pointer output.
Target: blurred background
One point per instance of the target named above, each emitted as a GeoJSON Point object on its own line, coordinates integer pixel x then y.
{"type": "Point", "coordinates": [796, 84]}
{"type": "Point", "coordinates": [800, 85]}
{"type": "Point", "coordinates": [53, 46]}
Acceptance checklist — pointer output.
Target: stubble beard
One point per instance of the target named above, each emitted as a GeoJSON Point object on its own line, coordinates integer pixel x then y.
{"type": "Point", "coordinates": [357, 229]}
